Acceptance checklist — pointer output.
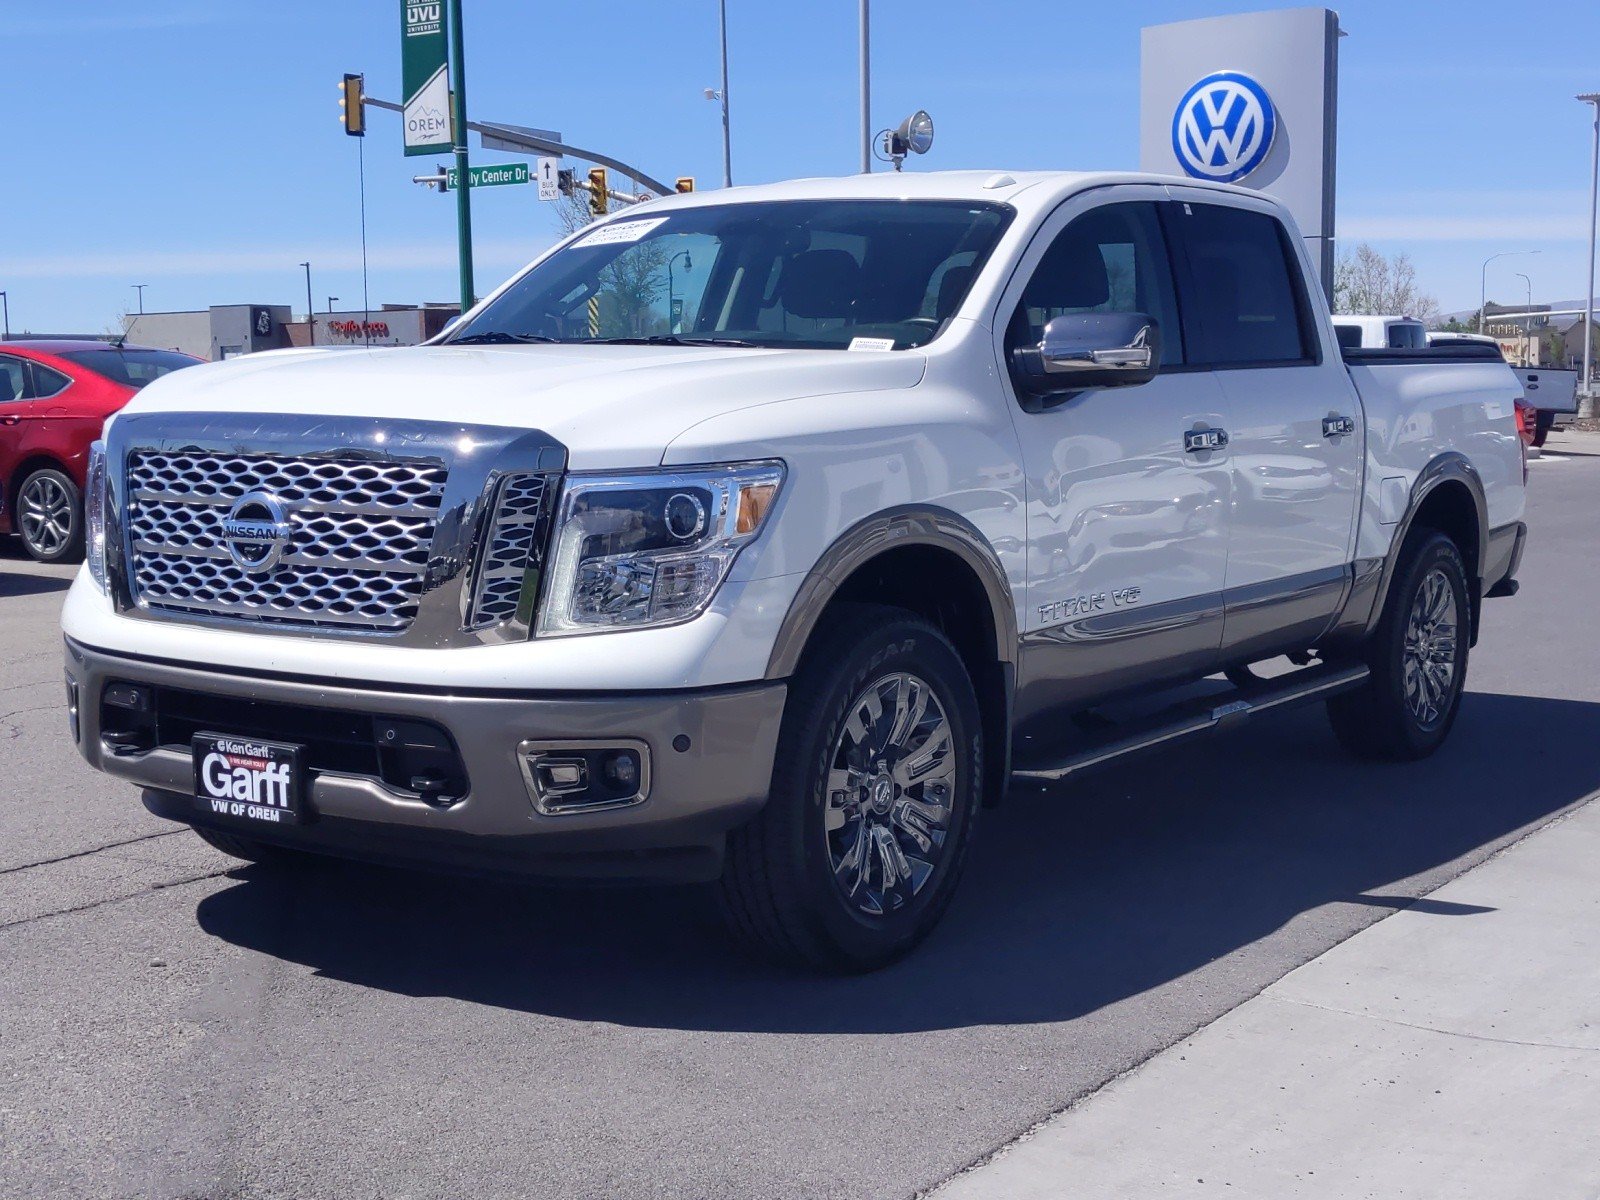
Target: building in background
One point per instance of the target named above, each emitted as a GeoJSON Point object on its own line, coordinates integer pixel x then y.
{"type": "Point", "coordinates": [221, 331]}
{"type": "Point", "coordinates": [386, 325]}
{"type": "Point", "coordinates": [225, 330]}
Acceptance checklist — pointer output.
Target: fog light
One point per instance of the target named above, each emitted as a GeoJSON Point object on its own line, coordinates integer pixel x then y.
{"type": "Point", "coordinates": [621, 769]}
{"type": "Point", "coordinates": [570, 777]}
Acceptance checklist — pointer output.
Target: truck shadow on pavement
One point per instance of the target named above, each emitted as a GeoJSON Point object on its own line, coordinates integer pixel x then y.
{"type": "Point", "coordinates": [1074, 899]}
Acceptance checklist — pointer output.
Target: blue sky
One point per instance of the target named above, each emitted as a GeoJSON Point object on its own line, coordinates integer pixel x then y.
{"type": "Point", "coordinates": [194, 145]}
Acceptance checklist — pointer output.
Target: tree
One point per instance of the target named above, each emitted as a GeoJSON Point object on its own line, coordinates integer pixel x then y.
{"type": "Point", "coordinates": [1366, 282]}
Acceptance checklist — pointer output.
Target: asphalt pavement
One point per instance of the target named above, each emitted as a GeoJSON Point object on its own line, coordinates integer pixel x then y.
{"type": "Point", "coordinates": [173, 1025]}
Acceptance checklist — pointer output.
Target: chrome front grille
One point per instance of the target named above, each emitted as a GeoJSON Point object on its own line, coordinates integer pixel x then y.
{"type": "Point", "coordinates": [357, 554]}
{"type": "Point", "coordinates": [507, 575]}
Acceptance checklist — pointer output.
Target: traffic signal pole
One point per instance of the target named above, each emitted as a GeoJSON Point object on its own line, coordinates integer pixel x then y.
{"type": "Point", "coordinates": [458, 133]}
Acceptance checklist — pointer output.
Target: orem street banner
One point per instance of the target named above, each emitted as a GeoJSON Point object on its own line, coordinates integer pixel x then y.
{"type": "Point", "coordinates": [425, 81]}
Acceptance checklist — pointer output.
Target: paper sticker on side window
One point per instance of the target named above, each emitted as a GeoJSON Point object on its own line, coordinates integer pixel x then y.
{"type": "Point", "coordinates": [623, 231]}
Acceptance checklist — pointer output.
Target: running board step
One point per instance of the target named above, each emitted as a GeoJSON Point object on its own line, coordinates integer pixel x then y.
{"type": "Point", "coordinates": [1299, 687]}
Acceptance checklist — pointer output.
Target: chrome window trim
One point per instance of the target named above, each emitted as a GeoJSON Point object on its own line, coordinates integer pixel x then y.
{"type": "Point", "coordinates": [477, 458]}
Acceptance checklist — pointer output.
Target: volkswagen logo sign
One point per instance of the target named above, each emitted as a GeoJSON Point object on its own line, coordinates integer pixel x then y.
{"type": "Point", "coordinates": [256, 531]}
{"type": "Point", "coordinates": [1224, 127]}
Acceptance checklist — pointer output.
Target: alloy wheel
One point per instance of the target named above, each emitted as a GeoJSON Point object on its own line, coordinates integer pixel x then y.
{"type": "Point", "coordinates": [890, 794]}
{"type": "Point", "coordinates": [1432, 648]}
{"type": "Point", "coordinates": [47, 517]}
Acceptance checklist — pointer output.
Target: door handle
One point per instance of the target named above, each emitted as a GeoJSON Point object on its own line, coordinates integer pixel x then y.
{"type": "Point", "coordinates": [1199, 441]}
{"type": "Point", "coordinates": [1337, 426]}
{"type": "Point", "coordinates": [10, 420]}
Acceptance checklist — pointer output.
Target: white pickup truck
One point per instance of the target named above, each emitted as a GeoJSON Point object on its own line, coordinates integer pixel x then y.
{"type": "Point", "coordinates": [763, 536]}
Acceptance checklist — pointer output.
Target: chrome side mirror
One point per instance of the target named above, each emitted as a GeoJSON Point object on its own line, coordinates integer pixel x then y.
{"type": "Point", "coordinates": [1091, 350]}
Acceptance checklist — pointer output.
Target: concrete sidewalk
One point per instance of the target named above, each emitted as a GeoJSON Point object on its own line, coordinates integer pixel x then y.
{"type": "Point", "coordinates": [1452, 1049]}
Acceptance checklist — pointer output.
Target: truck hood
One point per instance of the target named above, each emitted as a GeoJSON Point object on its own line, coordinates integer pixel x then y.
{"type": "Point", "coordinates": [612, 406]}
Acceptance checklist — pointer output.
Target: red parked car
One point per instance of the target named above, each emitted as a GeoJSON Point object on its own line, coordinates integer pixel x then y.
{"type": "Point", "coordinates": [54, 397]}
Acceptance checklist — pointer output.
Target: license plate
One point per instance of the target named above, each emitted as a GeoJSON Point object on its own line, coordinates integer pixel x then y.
{"type": "Point", "coordinates": [246, 779]}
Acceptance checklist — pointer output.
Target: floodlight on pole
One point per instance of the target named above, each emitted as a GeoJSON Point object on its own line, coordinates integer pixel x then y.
{"type": "Point", "coordinates": [913, 136]}
{"type": "Point", "coordinates": [1527, 325]}
{"type": "Point", "coordinates": [140, 287]}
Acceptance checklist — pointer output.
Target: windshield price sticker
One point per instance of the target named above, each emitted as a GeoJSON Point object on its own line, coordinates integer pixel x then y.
{"type": "Point", "coordinates": [863, 343]}
{"type": "Point", "coordinates": [623, 231]}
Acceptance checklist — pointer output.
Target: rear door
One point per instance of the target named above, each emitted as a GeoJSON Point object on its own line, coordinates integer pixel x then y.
{"type": "Point", "coordinates": [16, 416]}
{"type": "Point", "coordinates": [1127, 529]}
{"type": "Point", "coordinates": [1297, 435]}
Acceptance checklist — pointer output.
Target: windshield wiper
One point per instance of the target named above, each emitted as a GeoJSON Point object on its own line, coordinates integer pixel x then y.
{"type": "Point", "coordinates": [674, 339]}
{"type": "Point", "coordinates": [497, 337]}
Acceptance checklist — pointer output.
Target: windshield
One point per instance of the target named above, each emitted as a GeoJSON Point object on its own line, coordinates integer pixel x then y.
{"type": "Point", "coordinates": [799, 273]}
{"type": "Point", "coordinates": [133, 368]}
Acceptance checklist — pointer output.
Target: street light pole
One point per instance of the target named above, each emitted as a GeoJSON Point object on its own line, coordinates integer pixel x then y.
{"type": "Point", "coordinates": [1483, 283]}
{"type": "Point", "coordinates": [5, 303]}
{"type": "Point", "coordinates": [140, 287]}
{"type": "Point", "coordinates": [727, 145]}
{"type": "Point", "coordinates": [331, 299]}
{"type": "Point", "coordinates": [311, 325]}
{"type": "Point", "coordinates": [1587, 406]}
{"type": "Point", "coordinates": [866, 87]}
{"type": "Point", "coordinates": [1527, 325]}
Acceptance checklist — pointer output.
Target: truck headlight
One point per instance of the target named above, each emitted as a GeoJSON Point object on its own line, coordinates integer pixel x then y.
{"type": "Point", "coordinates": [653, 548]}
{"type": "Point", "coordinates": [94, 514]}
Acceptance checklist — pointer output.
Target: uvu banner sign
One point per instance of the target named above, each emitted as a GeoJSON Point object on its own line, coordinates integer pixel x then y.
{"type": "Point", "coordinates": [424, 77]}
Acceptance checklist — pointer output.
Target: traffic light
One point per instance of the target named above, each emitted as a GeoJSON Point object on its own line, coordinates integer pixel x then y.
{"type": "Point", "coordinates": [564, 181]}
{"type": "Point", "coordinates": [686, 183]}
{"type": "Point", "coordinates": [350, 106]}
{"type": "Point", "coordinates": [599, 194]}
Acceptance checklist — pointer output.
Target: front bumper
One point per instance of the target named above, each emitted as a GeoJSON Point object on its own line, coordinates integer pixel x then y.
{"type": "Point", "coordinates": [717, 780]}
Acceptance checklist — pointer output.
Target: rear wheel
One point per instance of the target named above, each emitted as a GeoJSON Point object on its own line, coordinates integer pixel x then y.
{"type": "Point", "coordinates": [50, 517]}
{"type": "Point", "coordinates": [875, 789]}
{"type": "Point", "coordinates": [1418, 659]}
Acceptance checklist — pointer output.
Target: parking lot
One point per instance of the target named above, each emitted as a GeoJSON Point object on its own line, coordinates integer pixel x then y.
{"type": "Point", "coordinates": [174, 1025]}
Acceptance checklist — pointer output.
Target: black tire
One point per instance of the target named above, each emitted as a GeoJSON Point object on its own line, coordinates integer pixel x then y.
{"type": "Point", "coordinates": [56, 534]}
{"type": "Point", "coordinates": [779, 890]}
{"type": "Point", "coordinates": [246, 848]}
{"type": "Point", "coordinates": [1381, 720]}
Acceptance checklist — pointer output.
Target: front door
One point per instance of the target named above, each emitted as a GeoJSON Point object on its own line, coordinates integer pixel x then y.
{"type": "Point", "coordinates": [1297, 436]}
{"type": "Point", "coordinates": [1127, 518]}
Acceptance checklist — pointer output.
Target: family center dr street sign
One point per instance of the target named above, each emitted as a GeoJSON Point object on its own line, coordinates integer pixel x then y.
{"type": "Point", "coordinates": [500, 173]}
{"type": "Point", "coordinates": [425, 79]}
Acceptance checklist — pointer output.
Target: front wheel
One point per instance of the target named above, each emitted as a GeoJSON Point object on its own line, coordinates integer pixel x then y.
{"type": "Point", "coordinates": [1418, 659]}
{"type": "Point", "coordinates": [875, 789]}
{"type": "Point", "coordinates": [50, 517]}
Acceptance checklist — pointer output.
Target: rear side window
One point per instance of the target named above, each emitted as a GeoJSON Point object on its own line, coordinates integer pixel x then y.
{"type": "Point", "coordinates": [1247, 298]}
{"type": "Point", "coordinates": [134, 368]}
{"type": "Point", "coordinates": [48, 382]}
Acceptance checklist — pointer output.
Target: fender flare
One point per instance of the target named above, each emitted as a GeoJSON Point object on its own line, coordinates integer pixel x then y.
{"type": "Point", "coordinates": [1450, 466]}
{"type": "Point", "coordinates": [892, 529]}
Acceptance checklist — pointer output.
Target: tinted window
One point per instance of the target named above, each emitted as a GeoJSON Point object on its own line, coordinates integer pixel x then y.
{"type": "Point", "coordinates": [47, 382]}
{"type": "Point", "coordinates": [133, 368]}
{"type": "Point", "coordinates": [1349, 336]}
{"type": "Point", "coordinates": [808, 273]}
{"type": "Point", "coordinates": [1112, 259]}
{"type": "Point", "coordinates": [1247, 301]}
{"type": "Point", "coordinates": [1407, 337]}
{"type": "Point", "coordinates": [13, 379]}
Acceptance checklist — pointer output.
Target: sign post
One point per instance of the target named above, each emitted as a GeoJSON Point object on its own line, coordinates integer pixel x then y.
{"type": "Point", "coordinates": [458, 124]}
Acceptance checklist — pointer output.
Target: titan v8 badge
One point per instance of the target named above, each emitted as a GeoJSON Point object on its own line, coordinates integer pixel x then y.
{"type": "Point", "coordinates": [1086, 605]}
